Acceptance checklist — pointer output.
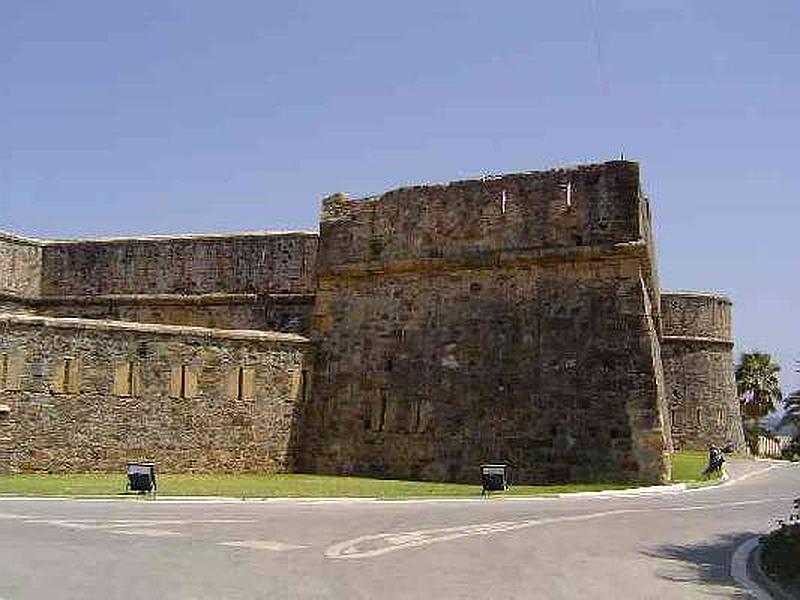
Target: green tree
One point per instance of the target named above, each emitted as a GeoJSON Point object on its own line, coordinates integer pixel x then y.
{"type": "Point", "coordinates": [759, 392]}
{"type": "Point", "coordinates": [791, 416]}
{"type": "Point", "coordinates": [758, 385]}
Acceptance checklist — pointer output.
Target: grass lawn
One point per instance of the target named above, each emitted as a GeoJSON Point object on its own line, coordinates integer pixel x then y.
{"type": "Point", "coordinates": [686, 468]}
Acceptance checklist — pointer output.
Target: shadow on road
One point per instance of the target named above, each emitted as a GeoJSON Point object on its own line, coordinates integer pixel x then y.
{"type": "Point", "coordinates": [707, 563]}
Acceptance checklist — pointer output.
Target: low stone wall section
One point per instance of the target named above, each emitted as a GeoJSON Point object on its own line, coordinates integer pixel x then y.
{"type": "Point", "coordinates": [288, 313]}
{"type": "Point", "coordinates": [84, 395]}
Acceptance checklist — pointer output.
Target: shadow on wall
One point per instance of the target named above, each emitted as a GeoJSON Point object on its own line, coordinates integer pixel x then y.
{"type": "Point", "coordinates": [706, 563]}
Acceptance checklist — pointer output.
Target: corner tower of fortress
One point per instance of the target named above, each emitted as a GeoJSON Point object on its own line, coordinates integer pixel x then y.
{"type": "Point", "coordinates": [513, 318]}
{"type": "Point", "coordinates": [698, 366]}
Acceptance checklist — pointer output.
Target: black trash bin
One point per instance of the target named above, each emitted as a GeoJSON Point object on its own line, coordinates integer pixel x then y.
{"type": "Point", "coordinates": [494, 477]}
{"type": "Point", "coordinates": [142, 477]}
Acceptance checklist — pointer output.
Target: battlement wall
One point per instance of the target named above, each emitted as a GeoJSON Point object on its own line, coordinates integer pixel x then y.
{"type": "Point", "coordinates": [562, 208]}
{"type": "Point", "coordinates": [20, 266]}
{"type": "Point", "coordinates": [90, 395]}
{"type": "Point", "coordinates": [696, 315]}
{"type": "Point", "coordinates": [244, 263]}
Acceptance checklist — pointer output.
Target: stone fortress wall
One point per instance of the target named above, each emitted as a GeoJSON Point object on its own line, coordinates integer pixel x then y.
{"type": "Point", "coordinates": [20, 270]}
{"type": "Point", "coordinates": [513, 318]}
{"type": "Point", "coordinates": [509, 319]}
{"type": "Point", "coordinates": [696, 349]}
{"type": "Point", "coordinates": [89, 395]}
{"type": "Point", "coordinates": [244, 281]}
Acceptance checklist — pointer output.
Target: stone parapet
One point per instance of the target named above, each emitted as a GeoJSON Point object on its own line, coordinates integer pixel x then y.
{"type": "Point", "coordinates": [696, 314]}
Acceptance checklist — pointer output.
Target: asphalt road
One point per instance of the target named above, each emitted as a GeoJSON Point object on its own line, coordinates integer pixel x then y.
{"type": "Point", "coordinates": [673, 545]}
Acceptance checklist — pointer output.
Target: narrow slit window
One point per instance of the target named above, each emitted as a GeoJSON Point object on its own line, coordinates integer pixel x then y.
{"type": "Point", "coordinates": [303, 384]}
{"type": "Point", "coordinates": [126, 377]}
{"type": "Point", "coordinates": [10, 371]}
{"type": "Point", "coordinates": [183, 382]}
{"type": "Point", "coordinates": [382, 414]}
{"type": "Point", "coordinates": [182, 393]}
{"type": "Point", "coordinates": [67, 374]}
{"type": "Point", "coordinates": [4, 371]}
{"type": "Point", "coordinates": [240, 383]}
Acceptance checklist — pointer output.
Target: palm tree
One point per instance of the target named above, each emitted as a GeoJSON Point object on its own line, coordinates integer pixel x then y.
{"type": "Point", "coordinates": [759, 393]}
{"type": "Point", "coordinates": [757, 384]}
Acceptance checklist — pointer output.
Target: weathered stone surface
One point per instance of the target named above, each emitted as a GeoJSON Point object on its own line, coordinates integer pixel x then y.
{"type": "Point", "coordinates": [698, 367]}
{"type": "Point", "coordinates": [243, 263]}
{"type": "Point", "coordinates": [268, 312]}
{"type": "Point", "coordinates": [20, 266]}
{"type": "Point", "coordinates": [99, 419]}
{"type": "Point", "coordinates": [499, 320]}
{"type": "Point", "coordinates": [239, 281]}
{"type": "Point", "coordinates": [515, 318]}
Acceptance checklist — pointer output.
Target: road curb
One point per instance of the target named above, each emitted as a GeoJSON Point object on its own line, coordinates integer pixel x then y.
{"type": "Point", "coordinates": [741, 569]}
{"type": "Point", "coordinates": [762, 579]}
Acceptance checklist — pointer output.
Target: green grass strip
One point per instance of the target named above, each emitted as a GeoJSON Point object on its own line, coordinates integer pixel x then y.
{"type": "Point", "coordinates": [686, 468]}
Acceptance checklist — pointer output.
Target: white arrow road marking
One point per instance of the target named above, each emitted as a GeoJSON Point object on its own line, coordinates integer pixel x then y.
{"type": "Point", "coordinates": [273, 545]}
{"type": "Point", "coordinates": [369, 546]}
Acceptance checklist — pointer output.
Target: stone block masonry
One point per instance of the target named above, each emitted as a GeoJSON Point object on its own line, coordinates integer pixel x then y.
{"type": "Point", "coordinates": [281, 263]}
{"type": "Point", "coordinates": [84, 395]}
{"type": "Point", "coordinates": [20, 267]}
{"type": "Point", "coordinates": [698, 366]}
{"type": "Point", "coordinates": [512, 318]}
{"type": "Point", "coordinates": [492, 320]}
{"type": "Point", "coordinates": [260, 281]}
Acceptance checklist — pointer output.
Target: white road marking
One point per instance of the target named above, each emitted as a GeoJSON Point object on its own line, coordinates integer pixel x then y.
{"type": "Point", "coordinates": [753, 474]}
{"type": "Point", "coordinates": [739, 570]}
{"type": "Point", "coordinates": [123, 526]}
{"type": "Point", "coordinates": [66, 523]}
{"type": "Point", "coordinates": [11, 516]}
{"type": "Point", "coordinates": [273, 545]}
{"type": "Point", "coordinates": [147, 532]}
{"type": "Point", "coordinates": [369, 546]}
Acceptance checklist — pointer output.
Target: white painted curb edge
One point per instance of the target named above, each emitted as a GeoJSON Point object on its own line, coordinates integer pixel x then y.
{"type": "Point", "coordinates": [739, 562]}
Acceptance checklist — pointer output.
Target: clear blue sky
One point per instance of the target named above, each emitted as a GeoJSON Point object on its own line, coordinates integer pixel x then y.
{"type": "Point", "coordinates": [197, 116]}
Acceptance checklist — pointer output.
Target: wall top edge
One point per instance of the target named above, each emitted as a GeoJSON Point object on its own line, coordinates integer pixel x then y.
{"type": "Point", "coordinates": [542, 174]}
{"type": "Point", "coordinates": [12, 237]}
{"type": "Point", "coordinates": [176, 299]}
{"type": "Point", "coordinates": [696, 294]}
{"type": "Point", "coordinates": [11, 319]}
